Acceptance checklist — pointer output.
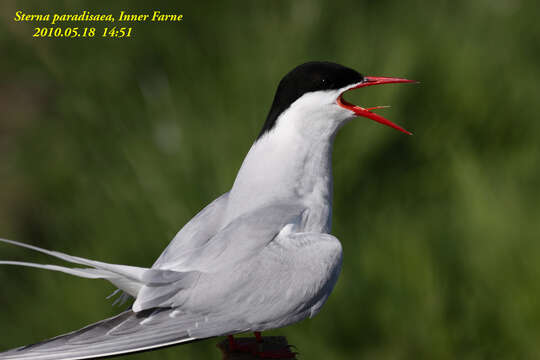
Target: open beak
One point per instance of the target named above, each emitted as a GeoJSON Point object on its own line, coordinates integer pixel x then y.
{"type": "Point", "coordinates": [360, 111]}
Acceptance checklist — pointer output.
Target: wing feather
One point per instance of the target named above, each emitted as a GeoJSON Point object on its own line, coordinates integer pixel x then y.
{"type": "Point", "coordinates": [195, 234]}
{"type": "Point", "coordinates": [125, 333]}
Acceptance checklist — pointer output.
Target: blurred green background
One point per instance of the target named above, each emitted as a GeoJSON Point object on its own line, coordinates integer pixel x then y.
{"type": "Point", "coordinates": [108, 146]}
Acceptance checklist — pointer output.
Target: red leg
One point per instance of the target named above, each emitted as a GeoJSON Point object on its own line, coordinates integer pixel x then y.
{"type": "Point", "coordinates": [239, 347]}
{"type": "Point", "coordinates": [232, 343]}
{"type": "Point", "coordinates": [258, 336]}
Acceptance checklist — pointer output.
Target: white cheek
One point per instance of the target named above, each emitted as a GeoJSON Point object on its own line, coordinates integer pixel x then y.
{"type": "Point", "coordinates": [317, 114]}
{"type": "Point", "coordinates": [315, 100]}
{"type": "Point", "coordinates": [321, 104]}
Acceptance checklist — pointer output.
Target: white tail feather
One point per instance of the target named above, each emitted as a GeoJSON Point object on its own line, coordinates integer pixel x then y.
{"type": "Point", "coordinates": [129, 279]}
{"type": "Point", "coordinates": [85, 273]}
{"type": "Point", "coordinates": [130, 272]}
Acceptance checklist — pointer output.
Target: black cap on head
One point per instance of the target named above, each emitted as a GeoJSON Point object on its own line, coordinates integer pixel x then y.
{"type": "Point", "coordinates": [308, 77]}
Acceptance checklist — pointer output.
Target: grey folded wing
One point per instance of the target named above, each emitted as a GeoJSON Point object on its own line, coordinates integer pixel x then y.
{"type": "Point", "coordinates": [127, 332]}
{"type": "Point", "coordinates": [194, 234]}
{"type": "Point", "coordinates": [235, 245]}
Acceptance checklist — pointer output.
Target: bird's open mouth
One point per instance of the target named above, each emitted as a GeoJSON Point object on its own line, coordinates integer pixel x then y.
{"type": "Point", "coordinates": [367, 112]}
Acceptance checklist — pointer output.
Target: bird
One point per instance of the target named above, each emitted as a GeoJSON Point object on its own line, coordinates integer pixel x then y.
{"type": "Point", "coordinates": [261, 256]}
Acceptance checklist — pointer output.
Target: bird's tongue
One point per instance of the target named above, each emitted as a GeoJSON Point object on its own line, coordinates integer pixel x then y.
{"type": "Point", "coordinates": [366, 112]}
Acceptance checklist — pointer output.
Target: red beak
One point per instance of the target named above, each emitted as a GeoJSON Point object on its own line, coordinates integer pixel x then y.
{"type": "Point", "coordinates": [360, 111]}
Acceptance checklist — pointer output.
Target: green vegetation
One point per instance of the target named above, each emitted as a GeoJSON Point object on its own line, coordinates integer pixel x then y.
{"type": "Point", "coordinates": [108, 146]}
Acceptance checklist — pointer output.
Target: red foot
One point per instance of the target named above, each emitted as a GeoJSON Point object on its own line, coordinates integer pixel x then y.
{"type": "Point", "coordinates": [236, 347]}
{"type": "Point", "coordinates": [253, 349]}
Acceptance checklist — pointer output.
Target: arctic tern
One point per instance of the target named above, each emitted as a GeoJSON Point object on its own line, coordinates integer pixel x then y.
{"type": "Point", "coordinates": [258, 257]}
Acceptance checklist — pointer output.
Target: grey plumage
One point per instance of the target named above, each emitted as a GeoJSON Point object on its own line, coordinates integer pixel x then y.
{"type": "Point", "coordinates": [125, 333]}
